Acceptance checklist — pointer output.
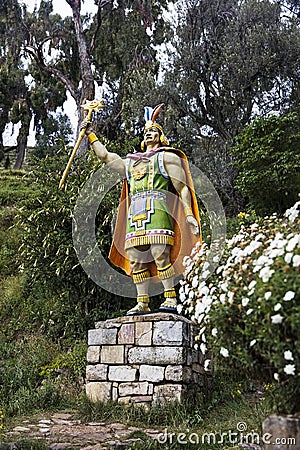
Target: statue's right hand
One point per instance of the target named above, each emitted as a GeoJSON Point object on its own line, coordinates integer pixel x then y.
{"type": "Point", "coordinates": [88, 126]}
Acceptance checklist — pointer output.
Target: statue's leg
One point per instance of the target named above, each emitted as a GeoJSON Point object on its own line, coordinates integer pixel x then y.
{"type": "Point", "coordinates": [140, 277]}
{"type": "Point", "coordinates": [166, 273]}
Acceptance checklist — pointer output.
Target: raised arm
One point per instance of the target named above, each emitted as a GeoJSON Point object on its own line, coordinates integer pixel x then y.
{"type": "Point", "coordinates": [177, 175]}
{"type": "Point", "coordinates": [113, 160]}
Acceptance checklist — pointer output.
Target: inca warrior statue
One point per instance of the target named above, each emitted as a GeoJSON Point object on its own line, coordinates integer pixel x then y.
{"type": "Point", "coordinates": [158, 221]}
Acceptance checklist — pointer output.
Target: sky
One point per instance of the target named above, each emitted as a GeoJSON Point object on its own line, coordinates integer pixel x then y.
{"type": "Point", "coordinates": [61, 7]}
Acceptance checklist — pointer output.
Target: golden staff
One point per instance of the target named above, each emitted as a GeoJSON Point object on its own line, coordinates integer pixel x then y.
{"type": "Point", "coordinates": [90, 106]}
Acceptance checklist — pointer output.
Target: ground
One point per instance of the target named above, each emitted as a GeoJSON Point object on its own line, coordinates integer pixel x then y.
{"type": "Point", "coordinates": [62, 431]}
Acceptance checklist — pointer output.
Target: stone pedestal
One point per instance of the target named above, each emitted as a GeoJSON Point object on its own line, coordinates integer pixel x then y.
{"type": "Point", "coordinates": [282, 432]}
{"type": "Point", "coordinates": [143, 360]}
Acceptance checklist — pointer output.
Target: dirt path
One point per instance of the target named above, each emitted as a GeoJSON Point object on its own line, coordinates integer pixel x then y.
{"type": "Point", "coordinates": [61, 431]}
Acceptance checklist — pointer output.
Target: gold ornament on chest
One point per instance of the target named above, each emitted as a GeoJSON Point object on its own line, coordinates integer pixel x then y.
{"type": "Point", "coordinates": [139, 171]}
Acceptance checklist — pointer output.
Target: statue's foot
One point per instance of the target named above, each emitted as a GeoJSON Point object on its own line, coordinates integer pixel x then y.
{"type": "Point", "coordinates": [169, 306]}
{"type": "Point", "coordinates": [139, 309]}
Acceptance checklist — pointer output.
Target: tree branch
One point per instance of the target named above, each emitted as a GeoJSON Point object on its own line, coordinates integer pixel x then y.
{"type": "Point", "coordinates": [102, 4]}
{"type": "Point", "coordinates": [36, 53]}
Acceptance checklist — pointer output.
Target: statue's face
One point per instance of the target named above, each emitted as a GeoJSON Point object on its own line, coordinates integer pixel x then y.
{"type": "Point", "coordinates": [151, 136]}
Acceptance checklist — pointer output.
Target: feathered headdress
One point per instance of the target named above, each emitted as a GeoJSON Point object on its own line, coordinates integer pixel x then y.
{"type": "Point", "coordinates": [151, 115]}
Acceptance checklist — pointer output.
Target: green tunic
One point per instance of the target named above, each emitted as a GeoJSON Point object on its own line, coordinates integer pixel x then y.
{"type": "Point", "coordinates": [149, 220]}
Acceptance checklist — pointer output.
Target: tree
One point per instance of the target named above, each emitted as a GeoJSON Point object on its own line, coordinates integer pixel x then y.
{"type": "Point", "coordinates": [231, 60]}
{"type": "Point", "coordinates": [101, 49]}
{"type": "Point", "coordinates": [14, 100]}
{"type": "Point", "coordinates": [268, 158]}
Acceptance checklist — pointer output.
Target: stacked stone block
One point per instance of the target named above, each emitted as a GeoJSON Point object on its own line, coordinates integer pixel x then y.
{"type": "Point", "coordinates": [143, 360]}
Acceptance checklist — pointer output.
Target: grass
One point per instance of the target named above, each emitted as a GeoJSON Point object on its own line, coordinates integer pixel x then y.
{"type": "Point", "coordinates": [186, 425]}
{"type": "Point", "coordinates": [25, 444]}
{"type": "Point", "coordinates": [183, 425]}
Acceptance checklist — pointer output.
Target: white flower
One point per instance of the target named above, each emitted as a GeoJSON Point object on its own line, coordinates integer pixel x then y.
{"type": "Point", "coordinates": [249, 311]}
{"type": "Point", "coordinates": [268, 295]}
{"type": "Point", "coordinates": [265, 274]}
{"type": "Point", "coordinates": [224, 286]}
{"type": "Point", "coordinates": [224, 352]}
{"type": "Point", "coordinates": [288, 258]}
{"type": "Point", "coordinates": [205, 265]}
{"type": "Point", "coordinates": [203, 290]}
{"type": "Point", "coordinates": [293, 242]}
{"type": "Point", "coordinates": [206, 364]}
{"type": "Point", "coordinates": [296, 261]}
{"type": "Point", "coordinates": [199, 308]}
{"type": "Point", "coordinates": [278, 242]}
{"type": "Point", "coordinates": [203, 348]}
{"type": "Point", "coordinates": [293, 212]}
{"type": "Point", "coordinates": [191, 294]}
{"type": "Point", "coordinates": [276, 376]}
{"type": "Point", "coordinates": [253, 342]}
{"type": "Point", "coordinates": [288, 355]}
{"type": "Point", "coordinates": [278, 318]}
{"type": "Point", "coordinates": [276, 252]}
{"type": "Point", "coordinates": [186, 261]}
{"type": "Point", "coordinates": [200, 318]}
{"type": "Point", "coordinates": [289, 295]}
{"type": "Point", "coordinates": [277, 307]}
{"type": "Point", "coordinates": [230, 297]}
{"type": "Point", "coordinates": [205, 274]}
{"type": "Point", "coordinates": [179, 308]}
{"type": "Point", "coordinates": [223, 298]}
{"type": "Point", "coordinates": [214, 332]}
{"type": "Point", "coordinates": [290, 369]}
{"type": "Point", "coordinates": [263, 260]}
{"type": "Point", "coordinates": [245, 301]}
{"type": "Point", "coordinates": [195, 282]}
{"type": "Point", "coordinates": [252, 284]}
{"type": "Point", "coordinates": [182, 296]}
{"type": "Point", "coordinates": [252, 247]}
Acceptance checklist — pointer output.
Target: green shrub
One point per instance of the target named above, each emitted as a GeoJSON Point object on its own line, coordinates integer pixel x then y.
{"type": "Point", "coordinates": [66, 302]}
{"type": "Point", "coordinates": [268, 159]}
{"type": "Point", "coordinates": [15, 186]}
{"type": "Point", "coordinates": [35, 375]}
{"type": "Point", "coordinates": [248, 310]}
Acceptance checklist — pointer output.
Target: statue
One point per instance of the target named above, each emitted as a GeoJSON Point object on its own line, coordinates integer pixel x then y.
{"type": "Point", "coordinates": [158, 206]}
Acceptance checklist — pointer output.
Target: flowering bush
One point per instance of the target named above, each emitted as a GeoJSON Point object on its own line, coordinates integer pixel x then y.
{"type": "Point", "coordinates": [248, 309]}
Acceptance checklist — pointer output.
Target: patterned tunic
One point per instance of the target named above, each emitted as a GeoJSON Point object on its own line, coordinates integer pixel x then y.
{"type": "Point", "coordinates": [149, 220]}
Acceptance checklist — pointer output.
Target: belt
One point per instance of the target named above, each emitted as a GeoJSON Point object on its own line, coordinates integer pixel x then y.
{"type": "Point", "coordinates": [156, 195]}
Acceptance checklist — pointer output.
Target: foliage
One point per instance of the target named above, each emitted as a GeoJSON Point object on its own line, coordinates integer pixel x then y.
{"type": "Point", "coordinates": [25, 444]}
{"type": "Point", "coordinates": [27, 385]}
{"type": "Point", "coordinates": [248, 311]}
{"type": "Point", "coordinates": [227, 62]}
{"type": "Point", "coordinates": [229, 59]}
{"type": "Point", "coordinates": [267, 156]}
{"type": "Point", "coordinates": [15, 186]}
{"type": "Point", "coordinates": [12, 73]}
{"type": "Point", "coordinates": [65, 301]}
{"type": "Point", "coordinates": [223, 401]}
{"type": "Point", "coordinates": [36, 373]}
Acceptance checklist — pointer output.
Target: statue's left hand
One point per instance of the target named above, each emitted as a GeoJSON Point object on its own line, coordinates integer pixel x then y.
{"type": "Point", "coordinates": [193, 225]}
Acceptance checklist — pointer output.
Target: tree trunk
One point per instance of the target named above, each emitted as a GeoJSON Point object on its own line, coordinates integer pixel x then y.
{"type": "Point", "coordinates": [88, 87]}
{"type": "Point", "coordinates": [26, 115]}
